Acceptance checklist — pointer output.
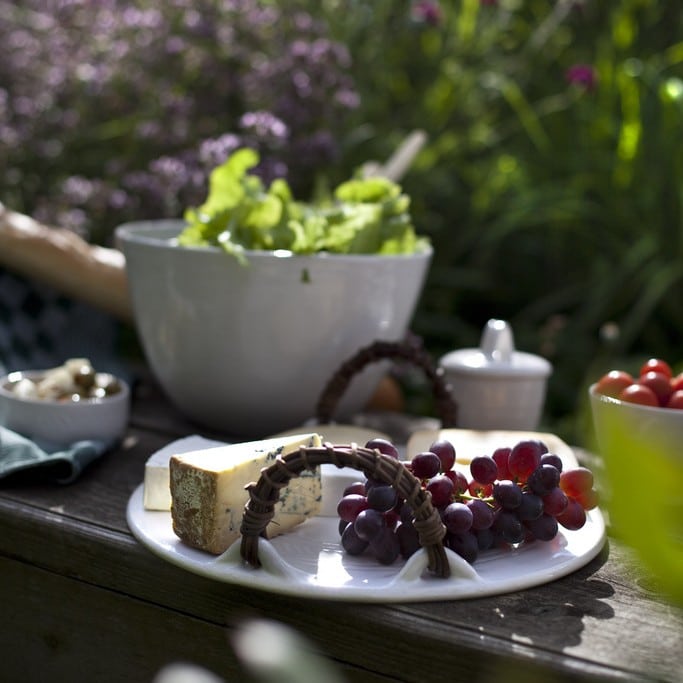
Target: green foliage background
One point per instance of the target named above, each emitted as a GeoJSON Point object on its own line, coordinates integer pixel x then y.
{"type": "Point", "coordinates": [556, 207]}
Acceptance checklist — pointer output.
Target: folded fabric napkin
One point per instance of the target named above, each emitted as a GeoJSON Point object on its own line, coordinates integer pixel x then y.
{"type": "Point", "coordinates": [19, 455]}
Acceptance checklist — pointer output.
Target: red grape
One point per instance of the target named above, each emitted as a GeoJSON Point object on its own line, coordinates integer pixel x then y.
{"type": "Point", "coordinates": [349, 506]}
{"type": "Point", "coordinates": [357, 487]}
{"type": "Point", "coordinates": [482, 514]}
{"type": "Point", "coordinates": [544, 528]}
{"type": "Point", "coordinates": [552, 459]}
{"type": "Point", "coordinates": [426, 465]}
{"type": "Point", "coordinates": [441, 489]}
{"type": "Point", "coordinates": [383, 446]}
{"type": "Point", "coordinates": [484, 469]}
{"type": "Point", "coordinates": [555, 502]}
{"type": "Point", "coordinates": [587, 499]}
{"type": "Point", "coordinates": [457, 518]}
{"type": "Point", "coordinates": [576, 481]}
{"type": "Point", "coordinates": [474, 488]}
{"type": "Point", "coordinates": [507, 494]}
{"type": "Point", "coordinates": [573, 517]}
{"type": "Point", "coordinates": [501, 455]}
{"type": "Point", "coordinates": [385, 546]}
{"type": "Point", "coordinates": [524, 458]}
{"type": "Point", "coordinates": [369, 524]}
{"type": "Point", "coordinates": [460, 483]}
{"type": "Point", "coordinates": [446, 453]}
{"type": "Point", "coordinates": [352, 543]}
{"type": "Point", "coordinates": [543, 479]}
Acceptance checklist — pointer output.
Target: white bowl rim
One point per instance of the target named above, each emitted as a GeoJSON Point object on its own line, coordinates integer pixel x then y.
{"type": "Point", "coordinates": [610, 400]}
{"type": "Point", "coordinates": [16, 375]}
{"type": "Point", "coordinates": [138, 232]}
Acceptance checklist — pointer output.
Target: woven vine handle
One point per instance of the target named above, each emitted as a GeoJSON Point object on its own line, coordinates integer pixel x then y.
{"type": "Point", "coordinates": [265, 493]}
{"type": "Point", "coordinates": [384, 350]}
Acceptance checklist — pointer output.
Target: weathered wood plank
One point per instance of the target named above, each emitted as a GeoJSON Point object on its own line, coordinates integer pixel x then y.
{"type": "Point", "coordinates": [66, 630]}
{"type": "Point", "coordinates": [570, 625]}
{"type": "Point", "coordinates": [601, 623]}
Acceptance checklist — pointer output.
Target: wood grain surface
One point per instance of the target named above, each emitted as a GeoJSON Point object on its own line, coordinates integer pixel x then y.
{"type": "Point", "coordinates": [83, 600]}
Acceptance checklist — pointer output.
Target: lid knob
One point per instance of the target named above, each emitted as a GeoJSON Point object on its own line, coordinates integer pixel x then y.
{"type": "Point", "coordinates": [497, 341]}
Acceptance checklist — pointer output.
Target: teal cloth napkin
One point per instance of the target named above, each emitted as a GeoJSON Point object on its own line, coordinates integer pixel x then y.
{"type": "Point", "coordinates": [19, 455]}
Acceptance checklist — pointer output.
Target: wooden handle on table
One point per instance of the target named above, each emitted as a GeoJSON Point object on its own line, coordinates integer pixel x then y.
{"type": "Point", "coordinates": [63, 260]}
{"type": "Point", "coordinates": [395, 351]}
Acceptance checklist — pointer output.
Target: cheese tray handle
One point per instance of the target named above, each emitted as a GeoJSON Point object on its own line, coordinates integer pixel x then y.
{"type": "Point", "coordinates": [265, 493]}
{"type": "Point", "coordinates": [408, 351]}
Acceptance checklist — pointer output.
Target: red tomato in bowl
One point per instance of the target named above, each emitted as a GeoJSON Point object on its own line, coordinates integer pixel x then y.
{"type": "Point", "coordinates": [676, 400]}
{"type": "Point", "coordinates": [656, 365]}
{"type": "Point", "coordinates": [613, 383]}
{"type": "Point", "coordinates": [659, 383]}
{"type": "Point", "coordinates": [677, 382]}
{"type": "Point", "coordinates": [639, 393]}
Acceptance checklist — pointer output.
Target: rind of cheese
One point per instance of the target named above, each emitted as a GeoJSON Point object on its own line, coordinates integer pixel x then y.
{"type": "Point", "coordinates": [208, 491]}
{"type": "Point", "coordinates": [157, 489]}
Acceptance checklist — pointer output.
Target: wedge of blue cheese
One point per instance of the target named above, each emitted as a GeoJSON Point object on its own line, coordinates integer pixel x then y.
{"type": "Point", "coordinates": [157, 489]}
{"type": "Point", "coordinates": [208, 492]}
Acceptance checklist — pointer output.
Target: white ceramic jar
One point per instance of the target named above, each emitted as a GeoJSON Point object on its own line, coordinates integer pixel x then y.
{"type": "Point", "coordinates": [496, 386]}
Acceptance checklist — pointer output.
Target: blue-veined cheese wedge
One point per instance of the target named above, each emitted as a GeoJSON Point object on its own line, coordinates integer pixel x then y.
{"type": "Point", "coordinates": [157, 489]}
{"type": "Point", "coordinates": [208, 491]}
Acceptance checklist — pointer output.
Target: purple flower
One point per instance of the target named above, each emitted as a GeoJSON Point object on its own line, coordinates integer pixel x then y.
{"type": "Point", "coordinates": [158, 97]}
{"type": "Point", "coordinates": [582, 75]}
{"type": "Point", "coordinates": [427, 12]}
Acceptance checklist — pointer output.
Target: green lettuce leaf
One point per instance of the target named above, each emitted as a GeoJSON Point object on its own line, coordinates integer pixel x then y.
{"type": "Point", "coordinates": [366, 216]}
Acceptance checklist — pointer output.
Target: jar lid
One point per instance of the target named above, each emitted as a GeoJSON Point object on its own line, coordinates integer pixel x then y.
{"type": "Point", "coordinates": [496, 356]}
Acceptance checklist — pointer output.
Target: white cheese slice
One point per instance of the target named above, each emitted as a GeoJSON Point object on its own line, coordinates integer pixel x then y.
{"type": "Point", "coordinates": [156, 492]}
{"type": "Point", "coordinates": [208, 491]}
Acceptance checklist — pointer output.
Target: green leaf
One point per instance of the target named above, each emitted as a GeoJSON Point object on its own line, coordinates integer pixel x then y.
{"type": "Point", "coordinates": [368, 215]}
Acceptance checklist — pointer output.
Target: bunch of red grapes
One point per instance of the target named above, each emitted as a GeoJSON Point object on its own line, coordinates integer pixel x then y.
{"type": "Point", "coordinates": [516, 495]}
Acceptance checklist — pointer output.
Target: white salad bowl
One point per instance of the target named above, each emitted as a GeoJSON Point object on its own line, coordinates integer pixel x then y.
{"type": "Point", "coordinates": [248, 349]}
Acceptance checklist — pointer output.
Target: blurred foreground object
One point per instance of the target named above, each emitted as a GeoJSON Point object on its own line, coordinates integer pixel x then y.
{"type": "Point", "coordinates": [65, 261]}
{"type": "Point", "coordinates": [641, 447]}
{"type": "Point", "coordinates": [275, 653]}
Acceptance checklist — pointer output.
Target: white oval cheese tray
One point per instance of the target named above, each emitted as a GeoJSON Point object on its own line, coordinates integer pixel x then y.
{"type": "Point", "coordinates": [309, 561]}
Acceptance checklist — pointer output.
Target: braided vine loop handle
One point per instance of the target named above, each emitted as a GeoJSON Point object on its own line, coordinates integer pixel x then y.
{"type": "Point", "coordinates": [265, 493]}
{"type": "Point", "coordinates": [408, 351]}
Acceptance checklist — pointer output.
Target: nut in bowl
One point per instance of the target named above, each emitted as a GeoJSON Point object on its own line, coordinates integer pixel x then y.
{"type": "Point", "coordinates": [62, 406]}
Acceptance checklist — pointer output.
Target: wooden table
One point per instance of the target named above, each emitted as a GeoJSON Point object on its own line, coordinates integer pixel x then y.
{"type": "Point", "coordinates": [82, 600]}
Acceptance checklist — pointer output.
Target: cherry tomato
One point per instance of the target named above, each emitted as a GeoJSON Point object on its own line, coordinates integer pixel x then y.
{"type": "Point", "coordinates": [656, 365]}
{"type": "Point", "coordinates": [613, 383]}
{"type": "Point", "coordinates": [677, 382]}
{"type": "Point", "coordinates": [659, 383]}
{"type": "Point", "coordinates": [639, 393]}
{"type": "Point", "coordinates": [676, 400]}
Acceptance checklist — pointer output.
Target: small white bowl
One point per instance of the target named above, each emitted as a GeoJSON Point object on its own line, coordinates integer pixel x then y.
{"type": "Point", "coordinates": [52, 423]}
{"type": "Point", "coordinates": [646, 426]}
